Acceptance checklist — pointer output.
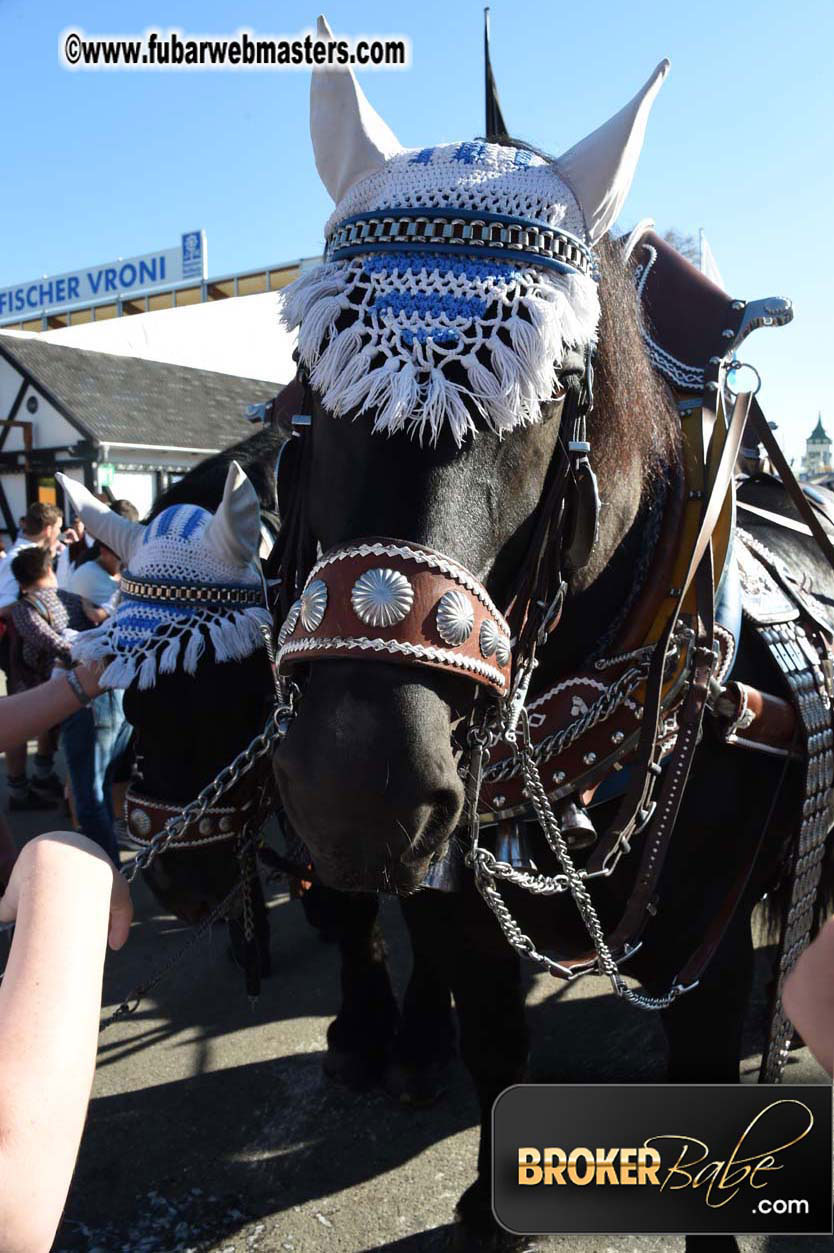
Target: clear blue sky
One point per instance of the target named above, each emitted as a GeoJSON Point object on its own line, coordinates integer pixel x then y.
{"type": "Point", "coordinates": [103, 165]}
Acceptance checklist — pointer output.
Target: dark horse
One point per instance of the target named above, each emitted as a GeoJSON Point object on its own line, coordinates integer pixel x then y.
{"type": "Point", "coordinates": [369, 770]}
{"type": "Point", "coordinates": [187, 727]}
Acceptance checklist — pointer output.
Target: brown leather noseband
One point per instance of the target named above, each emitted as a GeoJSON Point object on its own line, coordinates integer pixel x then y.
{"type": "Point", "coordinates": [145, 817]}
{"type": "Point", "coordinates": [392, 600]}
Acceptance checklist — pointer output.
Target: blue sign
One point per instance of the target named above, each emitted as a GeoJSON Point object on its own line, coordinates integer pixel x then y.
{"type": "Point", "coordinates": [193, 251]}
{"type": "Point", "coordinates": [125, 278]}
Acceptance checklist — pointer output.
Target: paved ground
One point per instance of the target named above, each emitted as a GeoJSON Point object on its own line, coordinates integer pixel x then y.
{"type": "Point", "coordinates": [212, 1130]}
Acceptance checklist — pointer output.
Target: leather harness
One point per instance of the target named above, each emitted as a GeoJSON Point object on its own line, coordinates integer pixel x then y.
{"type": "Point", "coordinates": [387, 598]}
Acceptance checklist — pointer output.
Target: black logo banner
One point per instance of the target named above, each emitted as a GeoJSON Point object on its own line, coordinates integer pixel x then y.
{"type": "Point", "coordinates": [712, 1158]}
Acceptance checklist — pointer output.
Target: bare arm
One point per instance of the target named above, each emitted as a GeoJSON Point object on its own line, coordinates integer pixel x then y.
{"type": "Point", "coordinates": [808, 996]}
{"type": "Point", "coordinates": [28, 714]}
{"type": "Point", "coordinates": [62, 893]}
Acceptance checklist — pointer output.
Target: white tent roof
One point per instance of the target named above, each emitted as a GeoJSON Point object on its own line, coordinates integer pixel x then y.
{"type": "Point", "coordinates": [241, 335]}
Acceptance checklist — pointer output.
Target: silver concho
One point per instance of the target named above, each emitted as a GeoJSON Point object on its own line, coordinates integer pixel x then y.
{"type": "Point", "coordinates": [492, 641]}
{"type": "Point", "coordinates": [226, 823]}
{"type": "Point", "coordinates": [313, 604]}
{"type": "Point", "coordinates": [140, 821]}
{"type": "Point", "coordinates": [382, 597]}
{"type": "Point", "coordinates": [455, 618]}
{"type": "Point", "coordinates": [205, 826]}
{"type": "Point", "coordinates": [289, 624]}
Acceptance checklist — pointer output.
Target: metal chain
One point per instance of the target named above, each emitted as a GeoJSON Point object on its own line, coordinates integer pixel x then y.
{"type": "Point", "coordinates": [131, 1002]}
{"type": "Point", "coordinates": [538, 884]}
{"type": "Point", "coordinates": [603, 707]}
{"type": "Point", "coordinates": [606, 704]}
{"type": "Point", "coordinates": [578, 890]}
{"type": "Point", "coordinates": [610, 700]}
{"type": "Point", "coordinates": [488, 870]}
{"type": "Point", "coordinates": [274, 730]}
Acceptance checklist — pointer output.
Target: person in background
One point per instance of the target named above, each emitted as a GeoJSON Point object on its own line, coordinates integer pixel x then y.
{"type": "Point", "coordinates": [41, 527]}
{"type": "Point", "coordinates": [76, 548]}
{"type": "Point", "coordinates": [97, 581]}
{"type": "Point", "coordinates": [46, 619]}
{"type": "Point", "coordinates": [95, 740]}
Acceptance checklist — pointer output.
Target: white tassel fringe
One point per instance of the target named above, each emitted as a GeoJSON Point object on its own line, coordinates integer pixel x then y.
{"type": "Point", "coordinates": [367, 366]}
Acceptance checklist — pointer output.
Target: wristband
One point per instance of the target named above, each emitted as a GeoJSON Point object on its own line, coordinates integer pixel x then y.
{"type": "Point", "coordinates": [78, 690]}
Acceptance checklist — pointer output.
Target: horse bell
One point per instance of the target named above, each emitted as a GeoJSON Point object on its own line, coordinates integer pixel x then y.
{"type": "Point", "coordinates": [576, 823]}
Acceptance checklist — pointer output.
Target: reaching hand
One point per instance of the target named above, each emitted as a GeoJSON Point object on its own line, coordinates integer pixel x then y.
{"type": "Point", "coordinates": [48, 852]}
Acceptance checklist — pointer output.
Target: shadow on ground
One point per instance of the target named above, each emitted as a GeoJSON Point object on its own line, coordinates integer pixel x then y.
{"type": "Point", "coordinates": [212, 1125]}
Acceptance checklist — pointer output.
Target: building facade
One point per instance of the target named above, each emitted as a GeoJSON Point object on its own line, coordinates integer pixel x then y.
{"type": "Point", "coordinates": [123, 425]}
{"type": "Point", "coordinates": [271, 278]}
{"type": "Point", "coordinates": [128, 391]}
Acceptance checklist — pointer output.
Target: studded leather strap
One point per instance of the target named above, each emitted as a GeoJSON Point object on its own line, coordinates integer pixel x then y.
{"type": "Point", "coordinates": [388, 600]}
{"type": "Point", "coordinates": [145, 818]}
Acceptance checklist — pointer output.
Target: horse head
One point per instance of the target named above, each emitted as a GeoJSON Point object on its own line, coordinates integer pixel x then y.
{"type": "Point", "coordinates": [187, 643]}
{"type": "Point", "coordinates": [446, 339]}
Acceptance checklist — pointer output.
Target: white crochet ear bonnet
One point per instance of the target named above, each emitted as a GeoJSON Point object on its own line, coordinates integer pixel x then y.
{"type": "Point", "coordinates": [456, 277]}
{"type": "Point", "coordinates": [189, 576]}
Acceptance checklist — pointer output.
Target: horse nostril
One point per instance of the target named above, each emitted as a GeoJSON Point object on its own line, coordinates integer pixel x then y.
{"type": "Point", "coordinates": [446, 809]}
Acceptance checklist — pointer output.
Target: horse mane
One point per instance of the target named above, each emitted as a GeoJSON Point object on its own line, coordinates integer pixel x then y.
{"type": "Point", "coordinates": [634, 418]}
{"type": "Point", "coordinates": [203, 485]}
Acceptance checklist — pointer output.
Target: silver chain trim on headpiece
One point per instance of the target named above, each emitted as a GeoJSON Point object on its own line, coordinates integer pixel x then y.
{"type": "Point", "coordinates": [494, 235]}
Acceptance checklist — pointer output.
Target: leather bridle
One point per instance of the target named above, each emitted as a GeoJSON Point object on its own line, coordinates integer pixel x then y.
{"type": "Point", "coordinates": [396, 600]}
{"type": "Point", "coordinates": [381, 598]}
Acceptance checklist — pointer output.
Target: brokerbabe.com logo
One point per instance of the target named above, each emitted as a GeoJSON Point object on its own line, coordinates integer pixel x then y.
{"type": "Point", "coordinates": [676, 1158]}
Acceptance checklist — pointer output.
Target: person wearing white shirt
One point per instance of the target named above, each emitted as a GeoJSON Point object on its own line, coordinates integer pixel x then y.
{"type": "Point", "coordinates": [76, 548]}
{"type": "Point", "coordinates": [97, 582]}
{"type": "Point", "coordinates": [42, 526]}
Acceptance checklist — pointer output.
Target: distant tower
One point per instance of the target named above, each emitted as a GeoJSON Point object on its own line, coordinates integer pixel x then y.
{"type": "Point", "coordinates": [817, 459]}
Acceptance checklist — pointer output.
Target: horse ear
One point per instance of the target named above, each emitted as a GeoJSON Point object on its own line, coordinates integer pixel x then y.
{"type": "Point", "coordinates": [600, 169]}
{"type": "Point", "coordinates": [235, 530]}
{"type": "Point", "coordinates": [350, 139]}
{"type": "Point", "coordinates": [120, 534]}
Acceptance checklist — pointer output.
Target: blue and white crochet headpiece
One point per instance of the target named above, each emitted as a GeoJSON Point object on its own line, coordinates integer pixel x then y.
{"type": "Point", "coordinates": [456, 278]}
{"type": "Point", "coordinates": [190, 577]}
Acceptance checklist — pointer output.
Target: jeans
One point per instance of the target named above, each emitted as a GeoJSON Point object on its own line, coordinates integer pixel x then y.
{"type": "Point", "coordinates": [93, 739]}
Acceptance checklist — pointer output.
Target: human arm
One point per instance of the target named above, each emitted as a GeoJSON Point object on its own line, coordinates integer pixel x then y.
{"type": "Point", "coordinates": [65, 897]}
{"type": "Point", "coordinates": [808, 996]}
{"type": "Point", "coordinates": [29, 714]}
